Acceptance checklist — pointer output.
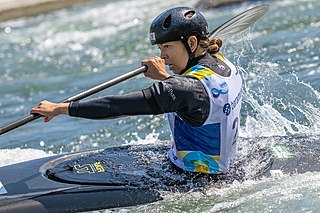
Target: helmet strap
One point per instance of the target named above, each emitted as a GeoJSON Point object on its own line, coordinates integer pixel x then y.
{"type": "Point", "coordinates": [190, 53]}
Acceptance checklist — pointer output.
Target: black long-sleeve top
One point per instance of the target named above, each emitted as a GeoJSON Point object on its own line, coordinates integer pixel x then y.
{"type": "Point", "coordinates": [182, 94]}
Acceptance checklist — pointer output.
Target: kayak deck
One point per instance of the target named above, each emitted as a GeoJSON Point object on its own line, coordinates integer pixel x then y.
{"type": "Point", "coordinates": [133, 175]}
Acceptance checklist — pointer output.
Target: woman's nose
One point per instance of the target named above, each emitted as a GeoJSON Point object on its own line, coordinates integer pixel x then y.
{"type": "Point", "coordinates": [163, 55]}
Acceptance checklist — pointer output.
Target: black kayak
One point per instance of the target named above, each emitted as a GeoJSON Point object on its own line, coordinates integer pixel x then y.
{"type": "Point", "coordinates": [132, 175]}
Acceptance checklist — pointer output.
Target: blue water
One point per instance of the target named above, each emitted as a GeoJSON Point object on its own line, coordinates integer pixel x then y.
{"type": "Point", "coordinates": [56, 55]}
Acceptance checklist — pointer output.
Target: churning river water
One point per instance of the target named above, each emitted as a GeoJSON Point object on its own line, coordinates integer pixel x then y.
{"type": "Point", "coordinates": [56, 55]}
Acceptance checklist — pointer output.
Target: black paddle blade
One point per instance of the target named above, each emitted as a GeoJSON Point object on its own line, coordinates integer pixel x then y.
{"type": "Point", "coordinates": [240, 22]}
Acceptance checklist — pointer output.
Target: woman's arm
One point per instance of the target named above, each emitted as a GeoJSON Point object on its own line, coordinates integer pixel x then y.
{"type": "Point", "coordinates": [181, 94]}
{"type": "Point", "coordinates": [134, 103]}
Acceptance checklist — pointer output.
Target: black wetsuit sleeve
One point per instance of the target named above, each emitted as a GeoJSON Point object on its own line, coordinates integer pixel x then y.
{"type": "Point", "coordinates": [181, 94]}
{"type": "Point", "coordinates": [106, 107]}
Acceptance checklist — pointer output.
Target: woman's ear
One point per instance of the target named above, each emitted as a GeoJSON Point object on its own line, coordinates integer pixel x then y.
{"type": "Point", "coordinates": [193, 43]}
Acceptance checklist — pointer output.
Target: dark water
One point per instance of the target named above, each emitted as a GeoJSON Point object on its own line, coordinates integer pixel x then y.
{"type": "Point", "coordinates": [56, 55]}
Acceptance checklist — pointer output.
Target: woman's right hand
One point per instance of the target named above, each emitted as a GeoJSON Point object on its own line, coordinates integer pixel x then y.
{"type": "Point", "coordinates": [50, 110]}
{"type": "Point", "coordinates": [156, 68]}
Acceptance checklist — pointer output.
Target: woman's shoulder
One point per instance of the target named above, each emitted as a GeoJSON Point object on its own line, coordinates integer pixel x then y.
{"type": "Point", "coordinates": [217, 63]}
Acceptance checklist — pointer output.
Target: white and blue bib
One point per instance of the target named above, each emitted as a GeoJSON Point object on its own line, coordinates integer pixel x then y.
{"type": "Point", "coordinates": [211, 147]}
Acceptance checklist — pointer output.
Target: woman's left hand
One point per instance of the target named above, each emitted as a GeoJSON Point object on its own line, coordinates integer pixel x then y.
{"type": "Point", "coordinates": [50, 110]}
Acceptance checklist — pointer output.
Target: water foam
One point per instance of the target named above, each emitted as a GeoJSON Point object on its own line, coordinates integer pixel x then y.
{"type": "Point", "coordinates": [151, 138]}
{"type": "Point", "coordinates": [17, 155]}
{"type": "Point", "coordinates": [279, 105]}
{"type": "Point", "coordinates": [275, 101]}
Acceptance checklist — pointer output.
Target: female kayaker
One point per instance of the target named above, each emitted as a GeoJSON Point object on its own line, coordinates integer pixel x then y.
{"type": "Point", "coordinates": [202, 98]}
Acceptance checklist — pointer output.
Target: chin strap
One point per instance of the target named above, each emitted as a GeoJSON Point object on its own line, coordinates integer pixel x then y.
{"type": "Point", "coordinates": [190, 53]}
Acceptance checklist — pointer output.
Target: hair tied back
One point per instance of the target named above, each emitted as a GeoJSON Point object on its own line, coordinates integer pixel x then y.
{"type": "Point", "coordinates": [214, 45]}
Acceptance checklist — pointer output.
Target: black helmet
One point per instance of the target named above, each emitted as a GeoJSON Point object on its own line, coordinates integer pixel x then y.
{"type": "Point", "coordinates": [178, 23]}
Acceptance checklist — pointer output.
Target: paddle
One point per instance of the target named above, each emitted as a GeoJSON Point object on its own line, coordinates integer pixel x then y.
{"type": "Point", "coordinates": [231, 27]}
{"type": "Point", "coordinates": [240, 22]}
{"type": "Point", "coordinates": [77, 97]}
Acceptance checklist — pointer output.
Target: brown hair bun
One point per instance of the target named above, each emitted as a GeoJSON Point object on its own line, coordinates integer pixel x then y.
{"type": "Point", "coordinates": [214, 45]}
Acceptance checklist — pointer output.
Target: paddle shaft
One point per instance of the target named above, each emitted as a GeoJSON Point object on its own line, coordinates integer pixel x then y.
{"type": "Point", "coordinates": [77, 97]}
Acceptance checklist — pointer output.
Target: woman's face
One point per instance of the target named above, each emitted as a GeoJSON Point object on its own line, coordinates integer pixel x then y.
{"type": "Point", "coordinates": [175, 55]}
